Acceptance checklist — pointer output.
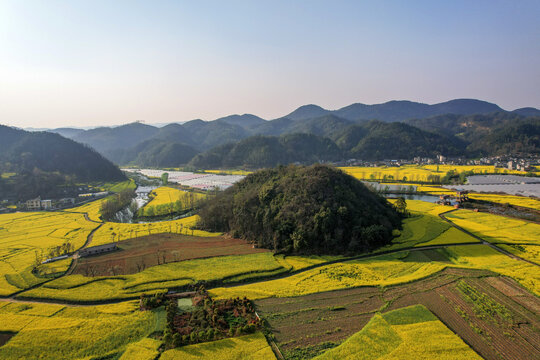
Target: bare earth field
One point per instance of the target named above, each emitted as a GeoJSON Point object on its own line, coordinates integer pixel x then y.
{"type": "Point", "coordinates": [135, 255]}
{"type": "Point", "coordinates": [508, 327]}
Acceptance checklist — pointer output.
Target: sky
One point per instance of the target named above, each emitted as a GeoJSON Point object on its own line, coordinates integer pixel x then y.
{"type": "Point", "coordinates": [92, 63]}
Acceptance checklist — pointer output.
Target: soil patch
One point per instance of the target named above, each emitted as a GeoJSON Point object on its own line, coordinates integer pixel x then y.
{"type": "Point", "coordinates": [134, 255]}
{"type": "Point", "coordinates": [5, 336]}
{"type": "Point", "coordinates": [307, 321]}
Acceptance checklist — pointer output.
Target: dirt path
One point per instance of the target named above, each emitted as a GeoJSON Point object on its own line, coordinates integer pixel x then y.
{"type": "Point", "coordinates": [76, 254]}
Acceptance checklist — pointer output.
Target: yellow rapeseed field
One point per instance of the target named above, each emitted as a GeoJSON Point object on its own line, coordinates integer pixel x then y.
{"type": "Point", "coordinates": [522, 201]}
{"type": "Point", "coordinates": [419, 173]}
{"type": "Point", "coordinates": [26, 239]}
{"type": "Point", "coordinates": [378, 271]}
{"type": "Point", "coordinates": [229, 172]}
{"type": "Point", "coordinates": [409, 333]}
{"type": "Point", "coordinates": [496, 228]}
{"type": "Point", "coordinates": [253, 347]}
{"type": "Point", "coordinates": [529, 252]}
{"type": "Point", "coordinates": [146, 349]}
{"type": "Point", "coordinates": [72, 333]}
{"type": "Point", "coordinates": [396, 268]}
{"type": "Point", "coordinates": [167, 200]}
{"type": "Point", "coordinates": [484, 257]}
{"type": "Point", "coordinates": [111, 232]}
{"type": "Point", "coordinates": [158, 278]}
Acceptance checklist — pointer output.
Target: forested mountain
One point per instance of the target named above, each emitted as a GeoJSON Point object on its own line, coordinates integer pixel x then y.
{"type": "Point", "coordinates": [266, 151]}
{"type": "Point", "coordinates": [294, 209]}
{"type": "Point", "coordinates": [521, 137]}
{"type": "Point", "coordinates": [106, 139]}
{"type": "Point", "coordinates": [67, 132]}
{"type": "Point", "coordinates": [155, 152]}
{"type": "Point", "coordinates": [469, 128]}
{"type": "Point", "coordinates": [463, 123]}
{"type": "Point", "coordinates": [42, 160]}
{"type": "Point", "coordinates": [397, 110]}
{"type": "Point", "coordinates": [527, 111]}
{"type": "Point", "coordinates": [376, 140]}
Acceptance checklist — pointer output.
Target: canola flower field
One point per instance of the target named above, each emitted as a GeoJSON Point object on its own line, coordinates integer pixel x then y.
{"type": "Point", "coordinates": [522, 201]}
{"type": "Point", "coordinates": [420, 173]}
{"type": "Point", "coordinates": [62, 332]}
{"type": "Point", "coordinates": [408, 333]}
{"type": "Point", "coordinates": [112, 232]}
{"type": "Point", "coordinates": [495, 228]}
{"type": "Point", "coordinates": [79, 288]}
{"type": "Point", "coordinates": [385, 270]}
{"type": "Point", "coordinates": [26, 239]}
{"type": "Point", "coordinates": [252, 346]}
{"type": "Point", "coordinates": [167, 200]}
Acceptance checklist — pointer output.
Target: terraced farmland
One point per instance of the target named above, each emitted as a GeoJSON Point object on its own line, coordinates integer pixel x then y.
{"type": "Point", "coordinates": [303, 324]}
{"type": "Point", "coordinates": [135, 255]}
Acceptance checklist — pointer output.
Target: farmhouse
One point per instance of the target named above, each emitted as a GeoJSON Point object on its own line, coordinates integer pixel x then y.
{"type": "Point", "coordinates": [38, 204]}
{"type": "Point", "coordinates": [100, 249]}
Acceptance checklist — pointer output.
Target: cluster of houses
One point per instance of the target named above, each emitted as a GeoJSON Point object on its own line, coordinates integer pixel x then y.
{"type": "Point", "coordinates": [503, 162]}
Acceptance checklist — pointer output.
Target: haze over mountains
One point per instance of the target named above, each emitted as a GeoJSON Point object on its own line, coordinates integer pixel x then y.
{"type": "Point", "coordinates": [396, 129]}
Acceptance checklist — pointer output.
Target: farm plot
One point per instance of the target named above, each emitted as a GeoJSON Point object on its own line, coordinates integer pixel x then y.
{"type": "Point", "coordinates": [222, 269]}
{"type": "Point", "coordinates": [408, 333]}
{"type": "Point", "coordinates": [529, 252]}
{"type": "Point", "coordinates": [26, 239]}
{"type": "Point", "coordinates": [522, 201]}
{"type": "Point", "coordinates": [381, 270]}
{"type": "Point", "coordinates": [137, 254]}
{"type": "Point", "coordinates": [417, 173]}
{"type": "Point", "coordinates": [495, 228]}
{"type": "Point", "coordinates": [484, 257]}
{"type": "Point", "coordinates": [167, 200]}
{"type": "Point", "coordinates": [425, 227]}
{"type": "Point", "coordinates": [71, 333]}
{"type": "Point", "coordinates": [111, 232]}
{"type": "Point", "coordinates": [91, 209]}
{"type": "Point", "coordinates": [244, 347]}
{"type": "Point", "coordinates": [312, 323]}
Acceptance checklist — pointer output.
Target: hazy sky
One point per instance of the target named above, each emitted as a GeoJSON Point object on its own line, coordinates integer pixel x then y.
{"type": "Point", "coordinates": [87, 63]}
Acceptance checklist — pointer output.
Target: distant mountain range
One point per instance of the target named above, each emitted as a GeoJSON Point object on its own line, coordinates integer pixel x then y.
{"type": "Point", "coordinates": [396, 129]}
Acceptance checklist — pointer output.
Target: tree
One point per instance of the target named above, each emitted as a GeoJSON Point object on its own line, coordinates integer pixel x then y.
{"type": "Point", "coordinates": [165, 178]}
{"type": "Point", "coordinates": [401, 205]}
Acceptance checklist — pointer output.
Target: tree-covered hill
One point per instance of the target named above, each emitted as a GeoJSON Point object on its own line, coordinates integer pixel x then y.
{"type": "Point", "coordinates": [295, 209]}
{"type": "Point", "coordinates": [22, 151]}
{"type": "Point", "coordinates": [155, 152]}
{"type": "Point", "coordinates": [376, 140]}
{"type": "Point", "coordinates": [522, 137]}
{"type": "Point", "coordinates": [43, 162]}
{"type": "Point", "coordinates": [266, 151]}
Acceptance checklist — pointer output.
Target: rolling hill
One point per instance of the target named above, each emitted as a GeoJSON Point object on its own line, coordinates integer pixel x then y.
{"type": "Point", "coordinates": [42, 161]}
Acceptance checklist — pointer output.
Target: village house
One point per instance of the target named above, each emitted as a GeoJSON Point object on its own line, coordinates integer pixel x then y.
{"type": "Point", "coordinates": [100, 249]}
{"type": "Point", "coordinates": [38, 204]}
